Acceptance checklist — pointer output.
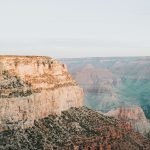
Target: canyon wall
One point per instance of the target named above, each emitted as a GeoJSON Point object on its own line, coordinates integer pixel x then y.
{"type": "Point", "coordinates": [115, 85]}
{"type": "Point", "coordinates": [32, 88]}
{"type": "Point", "coordinates": [111, 82]}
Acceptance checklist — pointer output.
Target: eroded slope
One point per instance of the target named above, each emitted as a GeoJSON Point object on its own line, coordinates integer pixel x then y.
{"type": "Point", "coordinates": [78, 129]}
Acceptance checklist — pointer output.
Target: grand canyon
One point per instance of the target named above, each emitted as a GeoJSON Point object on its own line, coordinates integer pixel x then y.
{"type": "Point", "coordinates": [42, 107]}
{"type": "Point", "coordinates": [116, 86]}
{"type": "Point", "coordinates": [74, 75]}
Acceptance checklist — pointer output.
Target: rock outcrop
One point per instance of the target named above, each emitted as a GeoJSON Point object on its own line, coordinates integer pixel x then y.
{"type": "Point", "coordinates": [133, 115]}
{"type": "Point", "coordinates": [75, 129]}
{"type": "Point", "coordinates": [31, 88]}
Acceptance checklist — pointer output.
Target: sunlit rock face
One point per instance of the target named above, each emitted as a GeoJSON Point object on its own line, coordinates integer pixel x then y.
{"type": "Point", "coordinates": [34, 87]}
{"type": "Point", "coordinates": [133, 115]}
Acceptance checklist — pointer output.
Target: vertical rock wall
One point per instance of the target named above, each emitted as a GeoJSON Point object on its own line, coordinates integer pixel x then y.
{"type": "Point", "coordinates": [34, 87]}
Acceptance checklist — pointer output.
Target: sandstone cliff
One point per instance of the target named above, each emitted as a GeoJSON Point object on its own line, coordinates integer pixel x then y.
{"type": "Point", "coordinates": [133, 115]}
{"type": "Point", "coordinates": [34, 87]}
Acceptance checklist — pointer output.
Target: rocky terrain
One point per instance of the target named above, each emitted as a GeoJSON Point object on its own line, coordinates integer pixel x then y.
{"type": "Point", "coordinates": [112, 83]}
{"type": "Point", "coordinates": [133, 115]}
{"type": "Point", "coordinates": [41, 108]}
{"type": "Point", "coordinates": [32, 87]}
{"type": "Point", "coordinates": [75, 129]}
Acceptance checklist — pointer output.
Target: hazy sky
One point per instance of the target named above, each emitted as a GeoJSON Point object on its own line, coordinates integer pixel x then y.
{"type": "Point", "coordinates": [75, 28]}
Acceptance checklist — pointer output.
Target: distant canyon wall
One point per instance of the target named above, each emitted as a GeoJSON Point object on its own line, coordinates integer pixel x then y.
{"type": "Point", "coordinates": [118, 86]}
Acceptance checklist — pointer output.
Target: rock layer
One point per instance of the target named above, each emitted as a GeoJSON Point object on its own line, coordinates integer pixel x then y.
{"type": "Point", "coordinates": [34, 87]}
{"type": "Point", "coordinates": [113, 82]}
{"type": "Point", "coordinates": [133, 115]}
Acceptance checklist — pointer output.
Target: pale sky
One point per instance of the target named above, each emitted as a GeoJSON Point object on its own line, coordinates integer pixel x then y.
{"type": "Point", "coordinates": [75, 28]}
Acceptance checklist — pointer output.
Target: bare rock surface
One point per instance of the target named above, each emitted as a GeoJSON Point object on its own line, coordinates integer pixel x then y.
{"type": "Point", "coordinates": [32, 87]}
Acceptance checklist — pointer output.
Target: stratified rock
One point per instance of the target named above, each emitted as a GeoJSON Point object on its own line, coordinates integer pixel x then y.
{"type": "Point", "coordinates": [113, 82]}
{"type": "Point", "coordinates": [133, 115]}
{"type": "Point", "coordinates": [32, 88]}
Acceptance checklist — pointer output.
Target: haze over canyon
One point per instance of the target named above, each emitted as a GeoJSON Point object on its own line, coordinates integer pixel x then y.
{"type": "Point", "coordinates": [117, 86]}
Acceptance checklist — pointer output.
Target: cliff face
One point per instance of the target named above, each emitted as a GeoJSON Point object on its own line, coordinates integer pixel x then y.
{"type": "Point", "coordinates": [133, 115]}
{"type": "Point", "coordinates": [34, 87]}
